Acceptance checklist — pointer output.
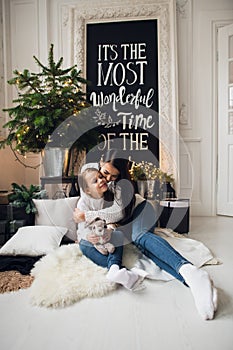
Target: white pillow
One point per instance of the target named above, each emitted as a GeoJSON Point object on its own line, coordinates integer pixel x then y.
{"type": "Point", "coordinates": [34, 240]}
{"type": "Point", "coordinates": [57, 212]}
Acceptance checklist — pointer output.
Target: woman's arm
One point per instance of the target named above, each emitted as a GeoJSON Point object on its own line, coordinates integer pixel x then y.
{"type": "Point", "coordinates": [111, 214]}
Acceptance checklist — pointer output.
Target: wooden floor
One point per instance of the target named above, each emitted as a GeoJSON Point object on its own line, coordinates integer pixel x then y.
{"type": "Point", "coordinates": [162, 317]}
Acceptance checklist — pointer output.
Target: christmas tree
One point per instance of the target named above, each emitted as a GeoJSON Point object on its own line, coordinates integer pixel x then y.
{"type": "Point", "coordinates": [45, 100]}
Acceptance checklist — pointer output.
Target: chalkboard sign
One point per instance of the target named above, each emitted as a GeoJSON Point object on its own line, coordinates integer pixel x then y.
{"type": "Point", "coordinates": [122, 68]}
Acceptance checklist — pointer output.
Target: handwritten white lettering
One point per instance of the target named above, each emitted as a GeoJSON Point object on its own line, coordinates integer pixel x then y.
{"type": "Point", "coordinates": [99, 99]}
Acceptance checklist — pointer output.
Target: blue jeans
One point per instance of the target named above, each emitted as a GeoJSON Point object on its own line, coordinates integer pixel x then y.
{"type": "Point", "coordinates": [88, 249]}
{"type": "Point", "coordinates": [154, 247]}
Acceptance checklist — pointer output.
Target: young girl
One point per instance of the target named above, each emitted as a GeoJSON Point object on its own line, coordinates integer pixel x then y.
{"type": "Point", "coordinates": [95, 195]}
{"type": "Point", "coordinates": [140, 214]}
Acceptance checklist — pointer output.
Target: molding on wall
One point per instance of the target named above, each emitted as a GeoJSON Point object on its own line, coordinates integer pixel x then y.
{"type": "Point", "coordinates": [192, 139]}
{"type": "Point", "coordinates": [216, 24]}
{"type": "Point", "coordinates": [182, 7]}
{"type": "Point", "coordinates": [190, 169]}
{"type": "Point", "coordinates": [185, 44]}
{"type": "Point", "coordinates": [74, 18]}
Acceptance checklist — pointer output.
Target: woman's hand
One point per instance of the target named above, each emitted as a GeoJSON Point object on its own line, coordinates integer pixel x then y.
{"type": "Point", "coordinates": [107, 235]}
{"type": "Point", "coordinates": [92, 238]}
{"type": "Point", "coordinates": [78, 215]}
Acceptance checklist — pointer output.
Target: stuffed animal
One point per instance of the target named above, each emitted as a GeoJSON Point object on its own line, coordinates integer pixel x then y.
{"type": "Point", "coordinates": [99, 228]}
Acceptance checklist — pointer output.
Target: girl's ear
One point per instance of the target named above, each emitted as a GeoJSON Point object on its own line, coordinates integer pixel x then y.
{"type": "Point", "coordinates": [87, 191]}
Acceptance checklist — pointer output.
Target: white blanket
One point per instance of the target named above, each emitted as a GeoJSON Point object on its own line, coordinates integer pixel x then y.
{"type": "Point", "coordinates": [65, 276]}
{"type": "Point", "coordinates": [193, 250]}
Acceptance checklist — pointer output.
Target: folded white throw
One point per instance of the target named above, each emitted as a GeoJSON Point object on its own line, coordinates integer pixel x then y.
{"type": "Point", "coordinates": [194, 251]}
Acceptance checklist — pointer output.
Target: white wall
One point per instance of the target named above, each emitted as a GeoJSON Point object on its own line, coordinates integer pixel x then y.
{"type": "Point", "coordinates": [21, 33]}
{"type": "Point", "coordinates": [197, 29]}
{"type": "Point", "coordinates": [30, 26]}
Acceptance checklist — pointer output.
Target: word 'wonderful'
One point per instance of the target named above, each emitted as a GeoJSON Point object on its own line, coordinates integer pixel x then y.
{"type": "Point", "coordinates": [99, 99]}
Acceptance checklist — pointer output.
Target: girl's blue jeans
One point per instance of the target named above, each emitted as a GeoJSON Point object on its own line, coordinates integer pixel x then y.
{"type": "Point", "coordinates": [88, 249]}
{"type": "Point", "coordinates": [153, 246]}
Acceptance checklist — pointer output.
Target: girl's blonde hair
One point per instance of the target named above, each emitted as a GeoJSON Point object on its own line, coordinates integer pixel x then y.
{"type": "Point", "coordinates": [82, 181]}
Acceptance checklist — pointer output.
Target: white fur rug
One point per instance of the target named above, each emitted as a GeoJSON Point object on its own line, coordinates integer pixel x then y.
{"type": "Point", "coordinates": [65, 276]}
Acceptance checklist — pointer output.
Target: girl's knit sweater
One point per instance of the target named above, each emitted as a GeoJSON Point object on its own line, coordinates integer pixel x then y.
{"type": "Point", "coordinates": [94, 208]}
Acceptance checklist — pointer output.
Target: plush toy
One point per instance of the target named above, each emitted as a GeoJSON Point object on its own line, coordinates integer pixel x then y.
{"type": "Point", "coordinates": [99, 228]}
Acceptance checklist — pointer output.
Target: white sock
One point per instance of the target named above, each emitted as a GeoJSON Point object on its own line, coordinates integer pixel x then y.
{"type": "Point", "coordinates": [114, 268]}
{"type": "Point", "coordinates": [122, 276]}
{"type": "Point", "coordinates": [112, 272]}
{"type": "Point", "coordinates": [205, 295]}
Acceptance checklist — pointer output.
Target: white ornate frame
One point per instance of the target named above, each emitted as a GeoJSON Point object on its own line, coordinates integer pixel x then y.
{"type": "Point", "coordinates": [76, 16]}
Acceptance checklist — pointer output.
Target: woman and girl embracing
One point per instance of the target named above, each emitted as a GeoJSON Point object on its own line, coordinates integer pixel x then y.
{"type": "Point", "coordinates": [107, 193]}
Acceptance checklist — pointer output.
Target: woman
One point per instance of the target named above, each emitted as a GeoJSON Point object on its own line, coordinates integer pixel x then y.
{"type": "Point", "coordinates": [139, 216]}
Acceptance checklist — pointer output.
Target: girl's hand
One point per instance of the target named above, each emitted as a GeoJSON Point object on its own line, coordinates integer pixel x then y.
{"type": "Point", "coordinates": [78, 215]}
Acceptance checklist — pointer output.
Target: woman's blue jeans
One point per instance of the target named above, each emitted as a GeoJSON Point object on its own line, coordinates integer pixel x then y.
{"type": "Point", "coordinates": [88, 249]}
{"type": "Point", "coordinates": [153, 246]}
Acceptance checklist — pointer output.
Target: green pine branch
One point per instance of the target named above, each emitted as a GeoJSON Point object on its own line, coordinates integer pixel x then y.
{"type": "Point", "coordinates": [45, 99]}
